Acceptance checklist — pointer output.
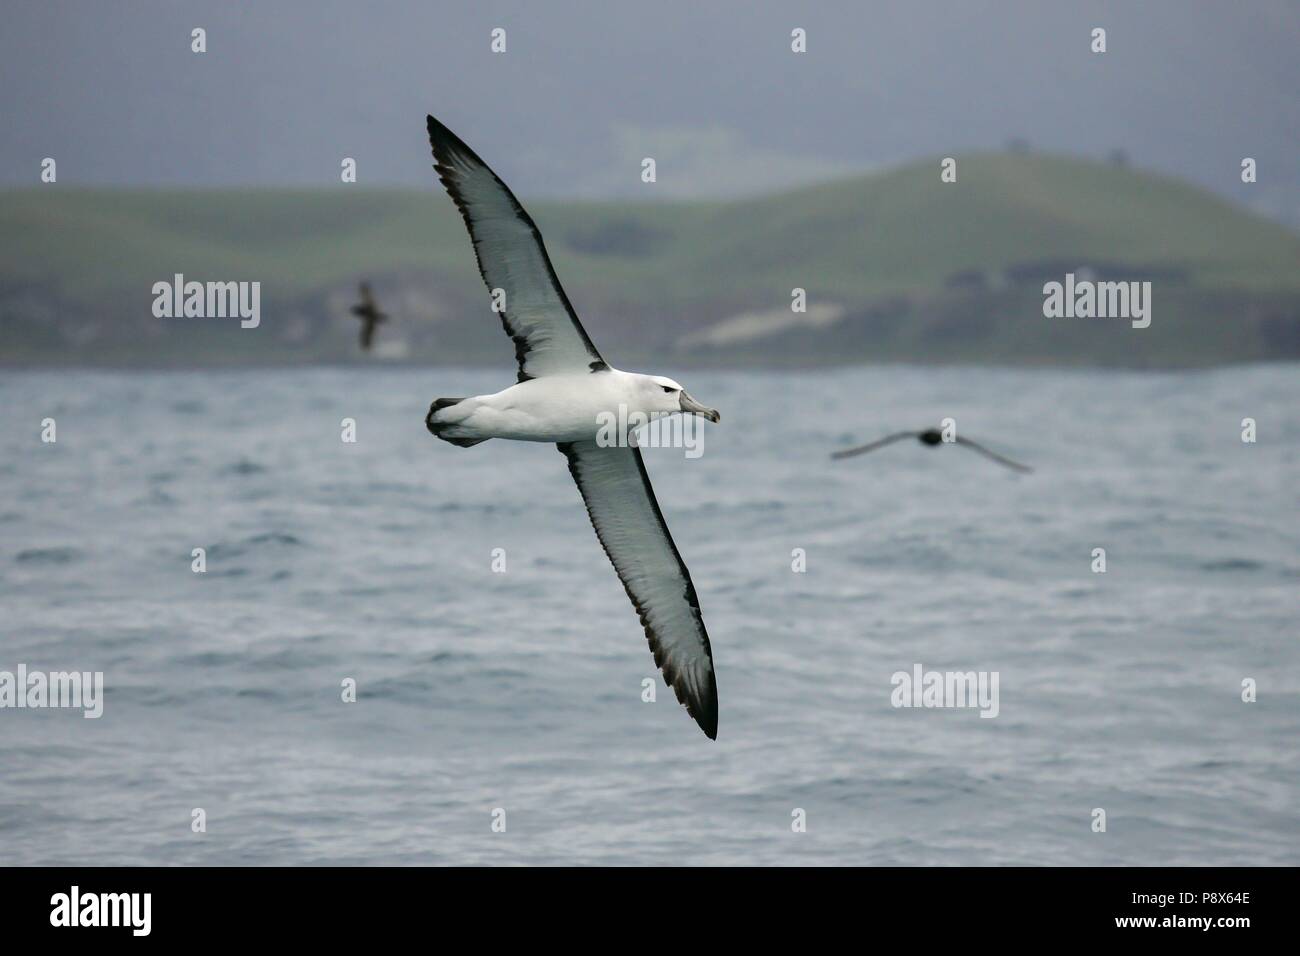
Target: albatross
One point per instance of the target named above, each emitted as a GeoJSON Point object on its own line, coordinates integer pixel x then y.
{"type": "Point", "coordinates": [931, 437]}
{"type": "Point", "coordinates": [564, 390]}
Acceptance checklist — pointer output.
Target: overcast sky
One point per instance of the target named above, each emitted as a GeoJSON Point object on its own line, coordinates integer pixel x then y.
{"type": "Point", "coordinates": [113, 92]}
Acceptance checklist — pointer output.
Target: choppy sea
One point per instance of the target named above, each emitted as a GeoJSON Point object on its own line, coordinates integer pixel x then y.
{"type": "Point", "coordinates": [522, 690]}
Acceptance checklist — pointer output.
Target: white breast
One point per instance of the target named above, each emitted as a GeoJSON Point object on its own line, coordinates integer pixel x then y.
{"type": "Point", "coordinates": [555, 408]}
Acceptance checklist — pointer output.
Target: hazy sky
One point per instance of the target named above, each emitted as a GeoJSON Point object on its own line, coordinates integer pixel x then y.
{"type": "Point", "coordinates": [585, 89]}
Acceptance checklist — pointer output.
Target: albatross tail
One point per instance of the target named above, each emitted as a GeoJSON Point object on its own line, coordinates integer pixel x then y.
{"type": "Point", "coordinates": [443, 427]}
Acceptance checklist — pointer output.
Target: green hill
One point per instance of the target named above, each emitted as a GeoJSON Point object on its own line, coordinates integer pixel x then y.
{"type": "Point", "coordinates": [913, 268]}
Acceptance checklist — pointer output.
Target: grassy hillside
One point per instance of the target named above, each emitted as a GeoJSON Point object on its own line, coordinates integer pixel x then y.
{"type": "Point", "coordinates": [897, 237]}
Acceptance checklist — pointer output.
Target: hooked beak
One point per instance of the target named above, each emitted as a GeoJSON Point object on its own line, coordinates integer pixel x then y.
{"type": "Point", "coordinates": [691, 406]}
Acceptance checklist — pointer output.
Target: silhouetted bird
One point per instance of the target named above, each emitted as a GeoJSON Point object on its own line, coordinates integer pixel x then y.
{"type": "Point", "coordinates": [931, 436]}
{"type": "Point", "coordinates": [369, 314]}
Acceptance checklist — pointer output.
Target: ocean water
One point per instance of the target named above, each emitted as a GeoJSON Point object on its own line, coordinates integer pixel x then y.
{"type": "Point", "coordinates": [522, 690]}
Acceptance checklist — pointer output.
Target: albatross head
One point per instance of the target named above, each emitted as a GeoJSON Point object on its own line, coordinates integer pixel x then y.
{"type": "Point", "coordinates": [663, 395]}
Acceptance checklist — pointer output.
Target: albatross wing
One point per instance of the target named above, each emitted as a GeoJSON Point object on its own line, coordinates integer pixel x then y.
{"type": "Point", "coordinates": [987, 453]}
{"type": "Point", "coordinates": [631, 529]}
{"type": "Point", "coordinates": [872, 446]}
{"type": "Point", "coordinates": [548, 337]}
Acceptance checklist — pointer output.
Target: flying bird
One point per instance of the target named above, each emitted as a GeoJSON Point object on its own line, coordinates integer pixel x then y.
{"type": "Point", "coordinates": [369, 314]}
{"type": "Point", "coordinates": [931, 436]}
{"type": "Point", "coordinates": [564, 389]}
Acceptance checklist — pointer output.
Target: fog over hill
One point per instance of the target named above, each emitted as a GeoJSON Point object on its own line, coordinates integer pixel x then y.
{"type": "Point", "coordinates": [893, 266]}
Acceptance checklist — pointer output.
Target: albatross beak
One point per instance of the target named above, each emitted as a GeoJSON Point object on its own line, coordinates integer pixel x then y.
{"type": "Point", "coordinates": [691, 406]}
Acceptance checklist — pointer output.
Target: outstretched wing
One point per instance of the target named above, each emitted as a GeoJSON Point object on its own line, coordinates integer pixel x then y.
{"type": "Point", "coordinates": [880, 443]}
{"type": "Point", "coordinates": [631, 529]}
{"type": "Point", "coordinates": [976, 446]}
{"type": "Point", "coordinates": [549, 339]}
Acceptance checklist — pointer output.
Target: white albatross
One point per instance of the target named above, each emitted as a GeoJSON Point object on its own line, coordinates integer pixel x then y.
{"type": "Point", "coordinates": [564, 387]}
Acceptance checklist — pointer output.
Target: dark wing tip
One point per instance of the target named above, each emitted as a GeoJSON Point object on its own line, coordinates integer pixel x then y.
{"type": "Point", "coordinates": [442, 140]}
{"type": "Point", "coordinates": [436, 130]}
{"type": "Point", "coordinates": [447, 144]}
{"type": "Point", "coordinates": [702, 707]}
{"type": "Point", "coordinates": [707, 716]}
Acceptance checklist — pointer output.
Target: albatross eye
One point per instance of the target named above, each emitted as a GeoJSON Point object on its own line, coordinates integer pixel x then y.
{"type": "Point", "coordinates": [667, 389]}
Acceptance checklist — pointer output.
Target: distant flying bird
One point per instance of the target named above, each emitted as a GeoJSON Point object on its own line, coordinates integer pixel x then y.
{"type": "Point", "coordinates": [369, 314]}
{"type": "Point", "coordinates": [565, 389]}
{"type": "Point", "coordinates": [931, 436]}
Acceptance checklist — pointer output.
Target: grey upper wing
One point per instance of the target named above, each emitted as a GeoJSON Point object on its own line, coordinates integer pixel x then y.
{"type": "Point", "coordinates": [537, 316]}
{"type": "Point", "coordinates": [976, 446]}
{"type": "Point", "coordinates": [872, 446]}
{"type": "Point", "coordinates": [631, 529]}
